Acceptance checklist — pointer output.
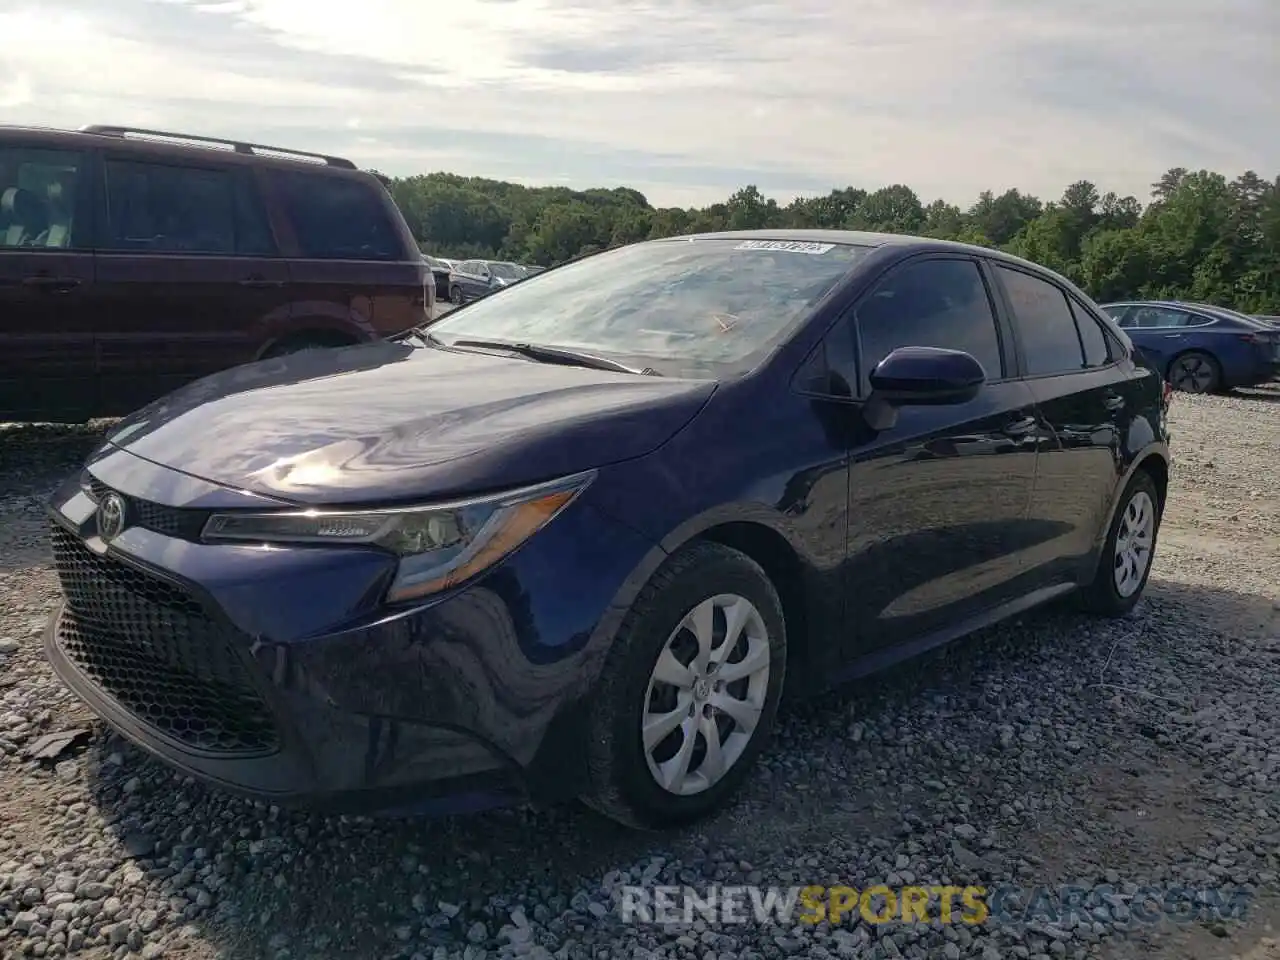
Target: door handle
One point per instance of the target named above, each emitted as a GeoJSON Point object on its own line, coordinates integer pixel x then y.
{"type": "Point", "coordinates": [56, 284]}
{"type": "Point", "coordinates": [1173, 336]}
{"type": "Point", "coordinates": [260, 283]}
{"type": "Point", "coordinates": [1113, 402]}
{"type": "Point", "coordinates": [1020, 428]}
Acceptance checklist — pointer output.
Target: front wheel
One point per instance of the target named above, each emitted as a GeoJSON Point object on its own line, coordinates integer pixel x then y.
{"type": "Point", "coordinates": [1126, 558]}
{"type": "Point", "coordinates": [688, 695]}
{"type": "Point", "coordinates": [455, 296]}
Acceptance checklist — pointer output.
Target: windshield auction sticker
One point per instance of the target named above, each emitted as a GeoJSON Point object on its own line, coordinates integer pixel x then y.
{"type": "Point", "coordinates": [788, 246]}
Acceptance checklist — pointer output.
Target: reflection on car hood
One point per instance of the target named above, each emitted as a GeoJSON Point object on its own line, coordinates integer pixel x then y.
{"type": "Point", "coordinates": [394, 421]}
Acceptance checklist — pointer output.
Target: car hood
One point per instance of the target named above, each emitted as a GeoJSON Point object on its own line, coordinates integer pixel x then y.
{"type": "Point", "coordinates": [394, 421]}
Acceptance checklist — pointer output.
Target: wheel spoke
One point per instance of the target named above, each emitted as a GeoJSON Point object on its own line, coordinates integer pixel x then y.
{"type": "Point", "coordinates": [735, 617]}
{"type": "Point", "coordinates": [676, 769]}
{"type": "Point", "coordinates": [671, 671]}
{"type": "Point", "coordinates": [702, 622]}
{"type": "Point", "coordinates": [712, 766]}
{"type": "Point", "coordinates": [657, 727]}
{"type": "Point", "coordinates": [744, 714]}
{"type": "Point", "coordinates": [757, 659]}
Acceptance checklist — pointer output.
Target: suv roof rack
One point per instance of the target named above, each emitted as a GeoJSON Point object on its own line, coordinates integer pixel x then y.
{"type": "Point", "coordinates": [239, 146]}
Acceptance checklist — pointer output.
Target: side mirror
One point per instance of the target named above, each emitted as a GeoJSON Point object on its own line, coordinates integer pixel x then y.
{"type": "Point", "coordinates": [927, 376]}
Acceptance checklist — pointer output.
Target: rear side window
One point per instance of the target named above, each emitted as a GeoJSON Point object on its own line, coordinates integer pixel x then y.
{"type": "Point", "coordinates": [1094, 340]}
{"type": "Point", "coordinates": [38, 199]}
{"type": "Point", "coordinates": [165, 209]}
{"type": "Point", "coordinates": [1046, 325]}
{"type": "Point", "coordinates": [335, 218]}
{"type": "Point", "coordinates": [929, 303]}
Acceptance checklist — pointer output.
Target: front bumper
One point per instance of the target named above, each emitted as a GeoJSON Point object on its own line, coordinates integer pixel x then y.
{"type": "Point", "coordinates": [278, 674]}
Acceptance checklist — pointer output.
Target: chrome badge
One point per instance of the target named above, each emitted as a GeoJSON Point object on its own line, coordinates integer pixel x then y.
{"type": "Point", "coordinates": [111, 516]}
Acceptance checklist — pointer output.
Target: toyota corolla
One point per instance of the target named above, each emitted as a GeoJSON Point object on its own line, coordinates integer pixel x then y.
{"type": "Point", "coordinates": [581, 536]}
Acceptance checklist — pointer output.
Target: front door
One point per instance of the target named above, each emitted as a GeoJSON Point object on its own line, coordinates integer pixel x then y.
{"type": "Point", "coordinates": [938, 501]}
{"type": "Point", "coordinates": [47, 311]}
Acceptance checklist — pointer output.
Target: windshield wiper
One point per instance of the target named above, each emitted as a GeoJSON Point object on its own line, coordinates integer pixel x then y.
{"type": "Point", "coordinates": [543, 354]}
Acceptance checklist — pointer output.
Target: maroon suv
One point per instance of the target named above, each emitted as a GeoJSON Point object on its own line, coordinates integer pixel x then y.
{"type": "Point", "coordinates": [134, 261]}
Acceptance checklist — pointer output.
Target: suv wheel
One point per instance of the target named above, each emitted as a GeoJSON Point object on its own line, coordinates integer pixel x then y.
{"type": "Point", "coordinates": [689, 692]}
{"type": "Point", "coordinates": [455, 296]}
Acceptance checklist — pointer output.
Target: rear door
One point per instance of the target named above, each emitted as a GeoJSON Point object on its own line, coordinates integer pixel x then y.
{"type": "Point", "coordinates": [188, 276]}
{"type": "Point", "coordinates": [348, 258]}
{"type": "Point", "coordinates": [938, 502]}
{"type": "Point", "coordinates": [47, 310]}
{"type": "Point", "coordinates": [1082, 395]}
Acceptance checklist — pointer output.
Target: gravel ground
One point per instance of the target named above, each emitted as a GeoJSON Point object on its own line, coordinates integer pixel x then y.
{"type": "Point", "coordinates": [1055, 749]}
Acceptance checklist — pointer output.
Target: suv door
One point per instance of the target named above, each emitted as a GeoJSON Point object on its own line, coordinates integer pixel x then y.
{"type": "Point", "coordinates": [938, 501]}
{"type": "Point", "coordinates": [47, 313]}
{"type": "Point", "coordinates": [188, 274]}
{"type": "Point", "coordinates": [1083, 395]}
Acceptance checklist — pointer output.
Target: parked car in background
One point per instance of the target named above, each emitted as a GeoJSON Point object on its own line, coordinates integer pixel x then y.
{"type": "Point", "coordinates": [473, 279]}
{"type": "Point", "coordinates": [440, 269]}
{"type": "Point", "coordinates": [577, 538]}
{"type": "Point", "coordinates": [532, 268]}
{"type": "Point", "coordinates": [135, 261]}
{"type": "Point", "coordinates": [1201, 348]}
{"type": "Point", "coordinates": [1269, 320]}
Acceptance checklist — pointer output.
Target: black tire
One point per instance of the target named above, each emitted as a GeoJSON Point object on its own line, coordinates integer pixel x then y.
{"type": "Point", "coordinates": [455, 296]}
{"type": "Point", "coordinates": [1195, 372]}
{"type": "Point", "coordinates": [621, 784]}
{"type": "Point", "coordinates": [1102, 596]}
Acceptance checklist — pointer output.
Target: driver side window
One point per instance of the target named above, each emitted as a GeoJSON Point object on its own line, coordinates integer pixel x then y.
{"type": "Point", "coordinates": [929, 303]}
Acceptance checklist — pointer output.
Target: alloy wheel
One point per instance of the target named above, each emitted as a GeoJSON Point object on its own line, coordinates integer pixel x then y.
{"type": "Point", "coordinates": [1193, 374]}
{"type": "Point", "coordinates": [706, 694]}
{"type": "Point", "coordinates": [1134, 541]}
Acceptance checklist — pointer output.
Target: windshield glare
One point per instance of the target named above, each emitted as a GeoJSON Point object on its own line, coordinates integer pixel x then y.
{"type": "Point", "coordinates": [686, 307]}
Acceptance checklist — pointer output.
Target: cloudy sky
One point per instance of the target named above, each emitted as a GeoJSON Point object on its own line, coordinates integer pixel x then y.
{"type": "Point", "coordinates": [684, 99]}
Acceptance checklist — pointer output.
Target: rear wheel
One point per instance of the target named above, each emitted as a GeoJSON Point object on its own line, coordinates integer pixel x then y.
{"type": "Point", "coordinates": [1195, 372]}
{"type": "Point", "coordinates": [688, 695]}
{"type": "Point", "coordinates": [1126, 558]}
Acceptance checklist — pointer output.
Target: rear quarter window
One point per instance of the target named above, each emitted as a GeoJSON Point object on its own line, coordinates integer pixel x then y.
{"type": "Point", "coordinates": [337, 218]}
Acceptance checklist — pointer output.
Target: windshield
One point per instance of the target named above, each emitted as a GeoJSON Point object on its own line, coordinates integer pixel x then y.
{"type": "Point", "coordinates": [506, 271]}
{"type": "Point", "coordinates": [704, 307]}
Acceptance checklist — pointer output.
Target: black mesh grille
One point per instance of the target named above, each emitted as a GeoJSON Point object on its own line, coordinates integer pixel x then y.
{"type": "Point", "coordinates": [180, 522]}
{"type": "Point", "coordinates": [154, 649]}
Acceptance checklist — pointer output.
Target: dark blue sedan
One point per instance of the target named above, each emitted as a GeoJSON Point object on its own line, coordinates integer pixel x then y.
{"type": "Point", "coordinates": [577, 540]}
{"type": "Point", "coordinates": [1200, 348]}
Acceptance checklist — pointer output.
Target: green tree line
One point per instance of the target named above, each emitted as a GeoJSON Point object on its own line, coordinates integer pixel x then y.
{"type": "Point", "coordinates": [1200, 236]}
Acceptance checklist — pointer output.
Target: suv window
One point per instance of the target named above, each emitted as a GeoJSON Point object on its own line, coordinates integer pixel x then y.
{"type": "Point", "coordinates": [159, 208]}
{"type": "Point", "coordinates": [1096, 342]}
{"type": "Point", "coordinates": [1046, 326]}
{"type": "Point", "coordinates": [929, 303]}
{"type": "Point", "coordinates": [336, 218]}
{"type": "Point", "coordinates": [38, 198]}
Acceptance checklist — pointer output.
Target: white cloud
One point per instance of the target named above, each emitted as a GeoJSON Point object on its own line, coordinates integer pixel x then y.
{"type": "Point", "coordinates": [948, 96]}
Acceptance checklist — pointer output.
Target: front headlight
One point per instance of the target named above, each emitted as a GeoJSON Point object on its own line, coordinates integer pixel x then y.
{"type": "Point", "coordinates": [439, 546]}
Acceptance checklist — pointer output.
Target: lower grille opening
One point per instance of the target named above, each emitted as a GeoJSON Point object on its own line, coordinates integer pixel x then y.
{"type": "Point", "coordinates": [203, 714]}
{"type": "Point", "coordinates": [153, 648]}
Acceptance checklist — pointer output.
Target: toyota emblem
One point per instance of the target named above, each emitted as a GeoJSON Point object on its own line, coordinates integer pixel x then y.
{"type": "Point", "coordinates": [111, 516]}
